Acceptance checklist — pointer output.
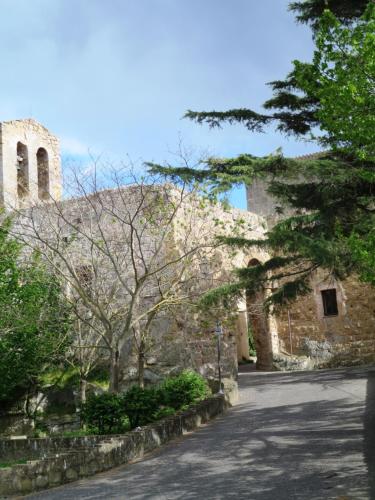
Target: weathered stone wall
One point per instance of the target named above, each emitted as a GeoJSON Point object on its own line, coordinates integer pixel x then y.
{"type": "Point", "coordinates": [182, 336]}
{"type": "Point", "coordinates": [54, 461]}
{"type": "Point", "coordinates": [261, 203]}
{"type": "Point", "coordinates": [185, 338]}
{"type": "Point", "coordinates": [304, 330]}
{"type": "Point", "coordinates": [32, 136]}
{"type": "Point", "coordinates": [346, 338]}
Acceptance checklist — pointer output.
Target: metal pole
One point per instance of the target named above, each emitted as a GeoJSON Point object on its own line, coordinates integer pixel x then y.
{"type": "Point", "coordinates": [290, 332]}
{"type": "Point", "coordinates": [219, 333]}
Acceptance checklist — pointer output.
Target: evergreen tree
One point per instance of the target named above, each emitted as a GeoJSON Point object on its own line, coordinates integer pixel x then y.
{"type": "Point", "coordinates": [310, 11]}
{"type": "Point", "coordinates": [331, 194]}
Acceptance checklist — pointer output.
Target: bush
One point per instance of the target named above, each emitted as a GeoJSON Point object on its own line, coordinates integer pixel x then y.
{"type": "Point", "coordinates": [183, 390]}
{"type": "Point", "coordinates": [114, 413]}
{"type": "Point", "coordinates": [104, 414]}
{"type": "Point", "coordinates": [165, 411]}
{"type": "Point", "coordinates": [141, 405]}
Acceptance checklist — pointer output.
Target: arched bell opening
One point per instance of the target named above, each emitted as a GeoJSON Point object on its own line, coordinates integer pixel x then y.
{"type": "Point", "coordinates": [22, 171]}
{"type": "Point", "coordinates": [43, 174]}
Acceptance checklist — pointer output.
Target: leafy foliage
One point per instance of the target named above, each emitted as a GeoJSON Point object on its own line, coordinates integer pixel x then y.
{"type": "Point", "coordinates": [110, 413]}
{"type": "Point", "coordinates": [342, 79]}
{"type": "Point", "coordinates": [104, 414]}
{"type": "Point", "coordinates": [141, 405]}
{"type": "Point", "coordinates": [34, 319]}
{"type": "Point", "coordinates": [184, 390]}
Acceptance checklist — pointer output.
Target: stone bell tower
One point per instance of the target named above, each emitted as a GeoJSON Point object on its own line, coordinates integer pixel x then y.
{"type": "Point", "coordinates": [30, 167]}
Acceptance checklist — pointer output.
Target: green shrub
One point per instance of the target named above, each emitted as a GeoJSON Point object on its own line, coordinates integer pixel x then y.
{"type": "Point", "coordinates": [4, 465]}
{"type": "Point", "coordinates": [141, 405]}
{"type": "Point", "coordinates": [183, 390]}
{"type": "Point", "coordinates": [165, 411]}
{"type": "Point", "coordinates": [104, 414]}
{"type": "Point", "coordinates": [114, 413]}
{"type": "Point", "coordinates": [77, 433]}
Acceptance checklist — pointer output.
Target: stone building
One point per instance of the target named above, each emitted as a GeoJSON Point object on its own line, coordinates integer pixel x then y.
{"type": "Point", "coordinates": [334, 325]}
{"type": "Point", "coordinates": [31, 186]}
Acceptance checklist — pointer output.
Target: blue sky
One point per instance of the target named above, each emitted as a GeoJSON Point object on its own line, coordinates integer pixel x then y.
{"type": "Point", "coordinates": [116, 76]}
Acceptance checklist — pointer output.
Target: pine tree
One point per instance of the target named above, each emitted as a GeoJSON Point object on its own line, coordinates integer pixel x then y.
{"type": "Point", "coordinates": [310, 11]}
{"type": "Point", "coordinates": [331, 194]}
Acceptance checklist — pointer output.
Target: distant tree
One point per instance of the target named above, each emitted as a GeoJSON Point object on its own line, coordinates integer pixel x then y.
{"type": "Point", "coordinates": [34, 319]}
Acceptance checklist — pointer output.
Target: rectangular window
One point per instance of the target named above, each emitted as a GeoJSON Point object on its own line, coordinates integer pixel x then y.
{"type": "Point", "coordinates": [330, 302]}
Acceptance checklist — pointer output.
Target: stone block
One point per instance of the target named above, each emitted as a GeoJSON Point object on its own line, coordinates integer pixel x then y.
{"type": "Point", "coordinates": [54, 477]}
{"type": "Point", "coordinates": [41, 481]}
{"type": "Point", "coordinates": [71, 474]}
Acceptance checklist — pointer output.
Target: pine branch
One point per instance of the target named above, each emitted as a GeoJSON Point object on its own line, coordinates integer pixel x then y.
{"type": "Point", "coordinates": [250, 119]}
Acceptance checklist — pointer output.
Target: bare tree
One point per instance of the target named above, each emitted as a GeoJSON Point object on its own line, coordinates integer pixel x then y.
{"type": "Point", "coordinates": [128, 254]}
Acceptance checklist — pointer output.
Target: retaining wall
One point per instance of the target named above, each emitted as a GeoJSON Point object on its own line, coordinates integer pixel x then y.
{"type": "Point", "coordinates": [54, 461]}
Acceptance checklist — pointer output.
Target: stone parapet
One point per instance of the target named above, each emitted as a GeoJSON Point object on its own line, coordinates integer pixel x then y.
{"type": "Point", "coordinates": [55, 461]}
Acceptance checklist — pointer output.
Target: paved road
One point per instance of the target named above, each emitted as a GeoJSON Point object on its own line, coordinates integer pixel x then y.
{"type": "Point", "coordinates": [293, 436]}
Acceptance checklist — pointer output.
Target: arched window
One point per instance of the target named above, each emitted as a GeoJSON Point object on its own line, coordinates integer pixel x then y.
{"type": "Point", "coordinates": [22, 170]}
{"type": "Point", "coordinates": [43, 173]}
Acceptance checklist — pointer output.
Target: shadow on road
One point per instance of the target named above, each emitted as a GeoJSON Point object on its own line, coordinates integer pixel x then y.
{"type": "Point", "coordinates": [281, 450]}
{"type": "Point", "coordinates": [369, 432]}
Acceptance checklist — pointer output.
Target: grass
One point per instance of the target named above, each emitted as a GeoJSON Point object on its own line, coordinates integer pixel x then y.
{"type": "Point", "coordinates": [73, 434]}
{"type": "Point", "coordinates": [61, 378]}
{"type": "Point", "coordinates": [4, 465]}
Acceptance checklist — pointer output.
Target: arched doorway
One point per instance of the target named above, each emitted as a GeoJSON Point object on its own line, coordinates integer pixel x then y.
{"type": "Point", "coordinates": [259, 326]}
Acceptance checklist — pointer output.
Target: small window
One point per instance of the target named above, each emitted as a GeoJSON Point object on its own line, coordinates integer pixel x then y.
{"type": "Point", "coordinates": [330, 302]}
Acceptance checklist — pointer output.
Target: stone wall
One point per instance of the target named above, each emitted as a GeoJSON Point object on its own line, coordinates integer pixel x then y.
{"type": "Point", "coordinates": [345, 338]}
{"type": "Point", "coordinates": [304, 330]}
{"type": "Point", "coordinates": [54, 461]}
{"type": "Point", "coordinates": [181, 336]}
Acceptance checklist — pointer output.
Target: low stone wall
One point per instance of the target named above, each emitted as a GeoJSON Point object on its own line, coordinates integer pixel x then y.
{"type": "Point", "coordinates": [54, 461]}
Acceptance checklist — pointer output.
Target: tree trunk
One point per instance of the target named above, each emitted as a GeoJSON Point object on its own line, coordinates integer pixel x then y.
{"type": "Point", "coordinates": [141, 366]}
{"type": "Point", "coordinates": [82, 390]}
{"type": "Point", "coordinates": [114, 385]}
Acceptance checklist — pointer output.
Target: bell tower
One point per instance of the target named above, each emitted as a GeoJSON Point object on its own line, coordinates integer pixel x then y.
{"type": "Point", "coordinates": [30, 166]}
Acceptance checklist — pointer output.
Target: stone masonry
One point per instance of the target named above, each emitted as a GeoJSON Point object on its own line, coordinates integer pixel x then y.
{"type": "Point", "coordinates": [29, 164]}
{"type": "Point", "coordinates": [313, 332]}
{"type": "Point", "coordinates": [334, 325]}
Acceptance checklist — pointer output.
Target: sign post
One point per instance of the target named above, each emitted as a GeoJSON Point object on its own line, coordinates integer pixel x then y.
{"type": "Point", "coordinates": [219, 334]}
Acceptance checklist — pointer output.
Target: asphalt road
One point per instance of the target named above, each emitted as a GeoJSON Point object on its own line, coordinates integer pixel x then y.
{"type": "Point", "coordinates": [307, 435]}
